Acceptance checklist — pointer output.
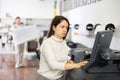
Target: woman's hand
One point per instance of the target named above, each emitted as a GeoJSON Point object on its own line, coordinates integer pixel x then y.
{"type": "Point", "coordinates": [71, 65]}
{"type": "Point", "coordinates": [80, 64]}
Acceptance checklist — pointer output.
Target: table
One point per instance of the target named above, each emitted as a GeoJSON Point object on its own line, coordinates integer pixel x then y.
{"type": "Point", "coordinates": [100, 74]}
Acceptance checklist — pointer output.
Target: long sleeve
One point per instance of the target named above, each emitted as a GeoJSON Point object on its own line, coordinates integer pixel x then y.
{"type": "Point", "coordinates": [54, 54]}
{"type": "Point", "coordinates": [49, 54]}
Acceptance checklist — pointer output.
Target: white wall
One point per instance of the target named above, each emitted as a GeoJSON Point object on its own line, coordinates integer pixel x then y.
{"type": "Point", "coordinates": [103, 12]}
{"type": "Point", "coordinates": [28, 8]}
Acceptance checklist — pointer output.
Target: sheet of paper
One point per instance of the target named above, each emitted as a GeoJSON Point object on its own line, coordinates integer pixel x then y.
{"type": "Point", "coordinates": [24, 34]}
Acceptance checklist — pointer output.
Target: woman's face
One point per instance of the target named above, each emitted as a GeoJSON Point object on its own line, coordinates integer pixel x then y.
{"type": "Point", "coordinates": [60, 30]}
{"type": "Point", "coordinates": [18, 21]}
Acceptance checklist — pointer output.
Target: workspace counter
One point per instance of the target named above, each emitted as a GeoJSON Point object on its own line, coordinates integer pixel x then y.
{"type": "Point", "coordinates": [99, 73]}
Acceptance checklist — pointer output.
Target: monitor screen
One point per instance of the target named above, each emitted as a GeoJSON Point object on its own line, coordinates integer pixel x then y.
{"type": "Point", "coordinates": [102, 42]}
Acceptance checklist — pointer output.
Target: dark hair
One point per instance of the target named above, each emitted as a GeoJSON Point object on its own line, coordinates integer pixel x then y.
{"type": "Point", "coordinates": [17, 17]}
{"type": "Point", "coordinates": [57, 20]}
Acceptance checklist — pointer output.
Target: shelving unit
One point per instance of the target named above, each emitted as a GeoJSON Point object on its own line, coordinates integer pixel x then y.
{"type": "Point", "coordinates": [5, 41]}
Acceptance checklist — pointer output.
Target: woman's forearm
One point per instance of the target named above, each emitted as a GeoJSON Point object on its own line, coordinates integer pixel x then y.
{"type": "Point", "coordinates": [72, 65]}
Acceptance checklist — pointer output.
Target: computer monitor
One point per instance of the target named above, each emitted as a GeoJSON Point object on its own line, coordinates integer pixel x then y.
{"type": "Point", "coordinates": [102, 42]}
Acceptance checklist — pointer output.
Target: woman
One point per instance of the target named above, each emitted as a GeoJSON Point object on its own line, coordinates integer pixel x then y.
{"type": "Point", "coordinates": [54, 52]}
{"type": "Point", "coordinates": [18, 48]}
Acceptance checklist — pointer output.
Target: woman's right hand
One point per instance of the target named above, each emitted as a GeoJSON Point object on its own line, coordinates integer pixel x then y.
{"type": "Point", "coordinates": [80, 64]}
{"type": "Point", "coordinates": [71, 65]}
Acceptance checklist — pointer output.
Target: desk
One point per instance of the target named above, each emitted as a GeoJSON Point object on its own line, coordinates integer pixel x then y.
{"type": "Point", "coordinates": [79, 74]}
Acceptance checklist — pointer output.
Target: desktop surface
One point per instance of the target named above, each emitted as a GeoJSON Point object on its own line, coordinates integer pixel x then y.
{"type": "Point", "coordinates": [79, 74]}
{"type": "Point", "coordinates": [96, 72]}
